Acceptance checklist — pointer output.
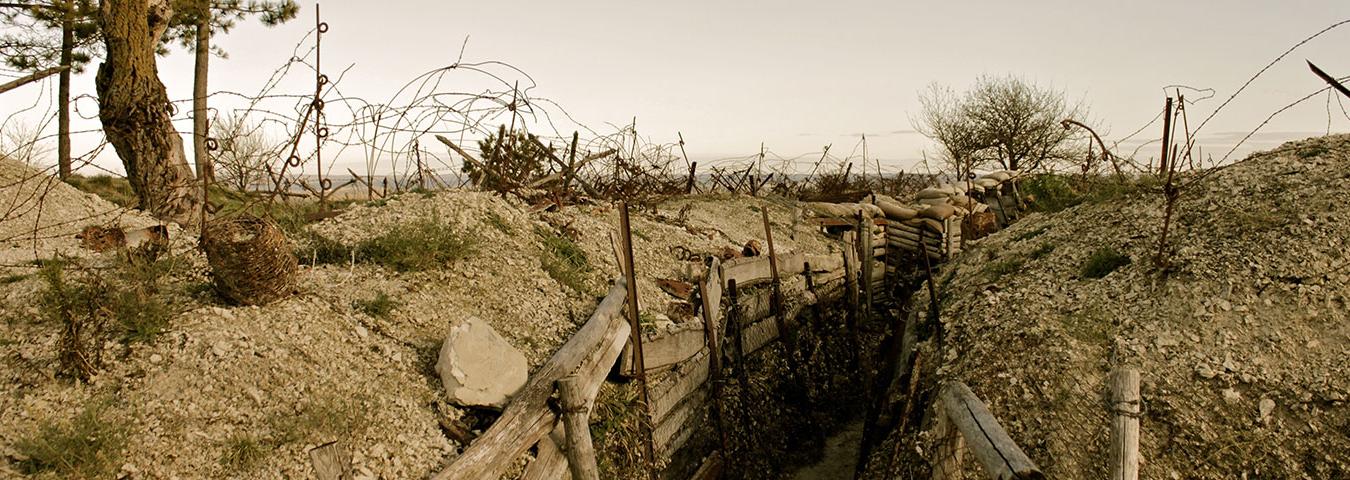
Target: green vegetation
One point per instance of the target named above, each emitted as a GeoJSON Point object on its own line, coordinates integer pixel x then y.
{"type": "Point", "coordinates": [326, 416]}
{"type": "Point", "coordinates": [1030, 234]}
{"type": "Point", "coordinates": [116, 190]}
{"type": "Point", "coordinates": [1043, 250]}
{"type": "Point", "coordinates": [88, 446]}
{"type": "Point", "coordinates": [424, 244]}
{"type": "Point", "coordinates": [616, 427]}
{"type": "Point", "coordinates": [998, 269]}
{"type": "Point", "coordinates": [1055, 192]}
{"type": "Point", "coordinates": [379, 307]}
{"type": "Point", "coordinates": [1102, 262]}
{"type": "Point", "coordinates": [564, 260]}
{"type": "Point", "coordinates": [126, 296]}
{"type": "Point", "coordinates": [243, 452]}
{"type": "Point", "coordinates": [499, 223]}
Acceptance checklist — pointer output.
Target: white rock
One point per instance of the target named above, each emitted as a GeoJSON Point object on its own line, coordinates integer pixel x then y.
{"type": "Point", "coordinates": [1266, 407]}
{"type": "Point", "coordinates": [155, 358]}
{"type": "Point", "coordinates": [1231, 396]}
{"type": "Point", "coordinates": [478, 367]}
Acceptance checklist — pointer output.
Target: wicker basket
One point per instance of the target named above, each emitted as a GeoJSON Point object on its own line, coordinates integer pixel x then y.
{"type": "Point", "coordinates": [251, 259]}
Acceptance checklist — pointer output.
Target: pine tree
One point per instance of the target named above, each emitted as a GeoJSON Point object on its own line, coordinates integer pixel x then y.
{"type": "Point", "coordinates": [52, 34]}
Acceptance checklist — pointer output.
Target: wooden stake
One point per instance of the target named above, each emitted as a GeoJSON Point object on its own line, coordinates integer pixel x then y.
{"type": "Point", "coordinates": [639, 367]}
{"type": "Point", "coordinates": [993, 448]}
{"type": "Point", "coordinates": [580, 451]}
{"type": "Point", "coordinates": [1125, 425]}
{"type": "Point", "coordinates": [710, 291]}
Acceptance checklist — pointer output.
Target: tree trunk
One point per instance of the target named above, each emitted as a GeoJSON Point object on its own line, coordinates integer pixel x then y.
{"type": "Point", "coordinates": [200, 129]}
{"type": "Point", "coordinates": [63, 91]}
{"type": "Point", "coordinates": [134, 110]}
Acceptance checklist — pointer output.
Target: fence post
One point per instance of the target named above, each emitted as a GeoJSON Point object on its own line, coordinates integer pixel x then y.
{"type": "Point", "coordinates": [950, 446]}
{"type": "Point", "coordinates": [776, 301]}
{"type": "Point", "coordinates": [710, 292]}
{"type": "Point", "coordinates": [580, 451]}
{"type": "Point", "coordinates": [865, 258]}
{"type": "Point", "coordinates": [1125, 404]}
{"type": "Point", "coordinates": [639, 366]}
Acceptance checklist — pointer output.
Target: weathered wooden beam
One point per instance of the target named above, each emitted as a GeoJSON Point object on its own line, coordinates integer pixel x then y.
{"type": "Point", "coordinates": [1000, 457]}
{"type": "Point", "coordinates": [678, 386]}
{"type": "Point", "coordinates": [747, 271]}
{"type": "Point", "coordinates": [527, 417]}
{"type": "Point", "coordinates": [664, 349]}
{"type": "Point", "coordinates": [575, 415]}
{"type": "Point", "coordinates": [550, 463]}
{"type": "Point", "coordinates": [1125, 408]}
{"type": "Point", "coordinates": [331, 461]}
{"type": "Point", "coordinates": [950, 447]}
{"type": "Point", "coordinates": [710, 469]}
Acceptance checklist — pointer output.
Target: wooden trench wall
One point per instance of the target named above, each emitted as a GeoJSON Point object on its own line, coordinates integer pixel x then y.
{"type": "Point", "coordinates": [681, 364]}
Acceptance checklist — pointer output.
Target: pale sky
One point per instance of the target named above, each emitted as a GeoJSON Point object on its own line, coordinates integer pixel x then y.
{"type": "Point", "coordinates": [799, 75]}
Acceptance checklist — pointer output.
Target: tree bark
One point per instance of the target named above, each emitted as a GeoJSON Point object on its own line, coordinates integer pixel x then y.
{"type": "Point", "coordinates": [134, 110]}
{"type": "Point", "coordinates": [63, 91]}
{"type": "Point", "coordinates": [200, 129]}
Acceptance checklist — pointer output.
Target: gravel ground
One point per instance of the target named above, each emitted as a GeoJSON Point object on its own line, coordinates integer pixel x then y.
{"type": "Point", "coordinates": [275, 381]}
{"type": "Point", "coordinates": [1244, 345]}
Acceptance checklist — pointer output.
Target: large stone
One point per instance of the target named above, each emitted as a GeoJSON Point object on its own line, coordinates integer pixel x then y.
{"type": "Point", "coordinates": [478, 367]}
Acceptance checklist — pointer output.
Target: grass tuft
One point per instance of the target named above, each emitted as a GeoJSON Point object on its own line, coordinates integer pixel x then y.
{"type": "Point", "coordinates": [243, 452]}
{"type": "Point", "coordinates": [564, 260]}
{"type": "Point", "coordinates": [499, 223]}
{"type": "Point", "coordinates": [1043, 250]}
{"type": "Point", "coordinates": [88, 446]}
{"type": "Point", "coordinates": [379, 307]}
{"type": "Point", "coordinates": [1102, 262]}
{"type": "Point", "coordinates": [424, 244]}
{"type": "Point", "coordinates": [998, 269]}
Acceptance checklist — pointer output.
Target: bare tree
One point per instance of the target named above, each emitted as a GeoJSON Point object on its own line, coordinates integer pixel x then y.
{"type": "Point", "coordinates": [1022, 121]}
{"type": "Point", "coordinates": [134, 109]}
{"type": "Point", "coordinates": [944, 120]}
{"type": "Point", "coordinates": [244, 154]}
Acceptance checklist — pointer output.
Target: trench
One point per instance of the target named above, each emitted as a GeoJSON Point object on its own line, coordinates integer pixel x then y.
{"type": "Point", "coordinates": [814, 426]}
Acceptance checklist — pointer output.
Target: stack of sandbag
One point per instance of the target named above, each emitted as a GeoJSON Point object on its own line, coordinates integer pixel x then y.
{"type": "Point", "coordinates": [1000, 194]}
{"type": "Point", "coordinates": [935, 230]}
{"type": "Point", "coordinates": [845, 211]}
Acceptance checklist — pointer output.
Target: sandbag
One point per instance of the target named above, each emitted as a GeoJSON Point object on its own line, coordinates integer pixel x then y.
{"type": "Point", "coordinates": [987, 183]}
{"type": "Point", "coordinates": [930, 224]}
{"type": "Point", "coordinates": [896, 211]}
{"type": "Point", "coordinates": [870, 211]}
{"type": "Point", "coordinates": [933, 201]}
{"type": "Point", "coordinates": [932, 192]}
{"type": "Point", "coordinates": [953, 189]}
{"type": "Point", "coordinates": [938, 212]}
{"type": "Point", "coordinates": [1001, 176]}
{"type": "Point", "coordinates": [824, 209]}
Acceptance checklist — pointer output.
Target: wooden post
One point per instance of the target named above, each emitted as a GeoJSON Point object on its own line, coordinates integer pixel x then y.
{"type": "Point", "coordinates": [950, 447]}
{"type": "Point", "coordinates": [851, 296]}
{"type": "Point", "coordinates": [580, 451]}
{"type": "Point", "coordinates": [1125, 404]}
{"type": "Point", "coordinates": [993, 448]}
{"type": "Point", "coordinates": [710, 291]}
{"type": "Point", "coordinates": [640, 369]}
{"type": "Point", "coordinates": [788, 338]}
{"type": "Point", "coordinates": [735, 321]}
{"type": "Point", "coordinates": [865, 257]}
{"type": "Point", "coordinates": [1166, 138]}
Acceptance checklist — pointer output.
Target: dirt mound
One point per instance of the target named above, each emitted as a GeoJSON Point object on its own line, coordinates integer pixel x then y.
{"type": "Point", "coordinates": [40, 215]}
{"type": "Point", "coordinates": [1244, 345]}
{"type": "Point", "coordinates": [245, 392]}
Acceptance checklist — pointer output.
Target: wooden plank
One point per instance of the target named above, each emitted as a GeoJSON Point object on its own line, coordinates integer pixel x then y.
{"type": "Point", "coordinates": [685, 416]}
{"type": "Point", "coordinates": [664, 349]}
{"type": "Point", "coordinates": [950, 447]}
{"type": "Point", "coordinates": [580, 451]}
{"type": "Point", "coordinates": [527, 417]}
{"type": "Point", "coordinates": [680, 384]}
{"type": "Point", "coordinates": [993, 448]}
{"type": "Point", "coordinates": [331, 461]}
{"type": "Point", "coordinates": [747, 271]}
{"type": "Point", "coordinates": [550, 463]}
{"type": "Point", "coordinates": [710, 469]}
{"type": "Point", "coordinates": [711, 293]}
{"type": "Point", "coordinates": [1125, 424]}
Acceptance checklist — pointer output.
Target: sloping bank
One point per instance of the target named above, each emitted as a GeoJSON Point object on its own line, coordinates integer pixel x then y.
{"type": "Point", "coordinates": [1243, 340]}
